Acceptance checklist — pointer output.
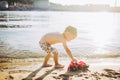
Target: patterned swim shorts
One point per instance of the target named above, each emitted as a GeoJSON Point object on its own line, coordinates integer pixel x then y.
{"type": "Point", "coordinates": [48, 48]}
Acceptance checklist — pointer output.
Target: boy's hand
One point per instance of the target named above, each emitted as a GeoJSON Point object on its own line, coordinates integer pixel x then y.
{"type": "Point", "coordinates": [75, 59]}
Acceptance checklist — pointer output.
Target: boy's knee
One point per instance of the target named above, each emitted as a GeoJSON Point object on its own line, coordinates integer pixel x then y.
{"type": "Point", "coordinates": [55, 51]}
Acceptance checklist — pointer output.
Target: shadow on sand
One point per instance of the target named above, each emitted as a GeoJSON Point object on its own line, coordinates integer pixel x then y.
{"type": "Point", "coordinates": [44, 75]}
{"type": "Point", "coordinates": [33, 74]}
{"type": "Point", "coordinates": [68, 74]}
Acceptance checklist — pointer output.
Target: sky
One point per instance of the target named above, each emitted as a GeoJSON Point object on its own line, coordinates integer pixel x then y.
{"type": "Point", "coordinates": [82, 2]}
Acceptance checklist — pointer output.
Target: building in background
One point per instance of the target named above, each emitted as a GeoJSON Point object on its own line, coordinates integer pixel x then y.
{"type": "Point", "coordinates": [4, 5]}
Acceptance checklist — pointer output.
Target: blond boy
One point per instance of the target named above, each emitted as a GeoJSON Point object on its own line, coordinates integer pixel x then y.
{"type": "Point", "coordinates": [52, 38]}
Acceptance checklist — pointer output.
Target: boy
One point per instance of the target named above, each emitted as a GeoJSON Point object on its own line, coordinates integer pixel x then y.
{"type": "Point", "coordinates": [53, 38]}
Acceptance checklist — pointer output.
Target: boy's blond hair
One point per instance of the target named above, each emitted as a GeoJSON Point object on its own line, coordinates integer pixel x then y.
{"type": "Point", "coordinates": [71, 30]}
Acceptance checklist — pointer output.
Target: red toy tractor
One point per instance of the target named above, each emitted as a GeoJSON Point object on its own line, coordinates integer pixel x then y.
{"type": "Point", "coordinates": [78, 66]}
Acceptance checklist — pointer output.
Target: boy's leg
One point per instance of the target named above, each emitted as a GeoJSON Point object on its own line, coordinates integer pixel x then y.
{"type": "Point", "coordinates": [56, 58]}
{"type": "Point", "coordinates": [57, 65]}
{"type": "Point", "coordinates": [45, 64]}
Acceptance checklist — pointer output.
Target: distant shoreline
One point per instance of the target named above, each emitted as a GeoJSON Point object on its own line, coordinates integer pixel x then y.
{"type": "Point", "coordinates": [59, 7]}
{"type": "Point", "coordinates": [80, 9]}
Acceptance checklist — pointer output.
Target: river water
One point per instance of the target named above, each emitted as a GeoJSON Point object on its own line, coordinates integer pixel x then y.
{"type": "Point", "coordinates": [98, 32]}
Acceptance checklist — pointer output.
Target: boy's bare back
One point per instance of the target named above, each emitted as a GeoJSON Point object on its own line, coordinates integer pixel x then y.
{"type": "Point", "coordinates": [53, 38]}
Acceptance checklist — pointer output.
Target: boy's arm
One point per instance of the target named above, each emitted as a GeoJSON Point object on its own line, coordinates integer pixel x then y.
{"type": "Point", "coordinates": [68, 51]}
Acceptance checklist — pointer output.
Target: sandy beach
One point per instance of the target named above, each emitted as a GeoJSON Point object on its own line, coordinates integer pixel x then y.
{"type": "Point", "coordinates": [30, 69]}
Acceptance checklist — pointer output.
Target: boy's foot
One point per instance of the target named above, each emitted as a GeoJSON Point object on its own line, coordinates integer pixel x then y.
{"type": "Point", "coordinates": [59, 66]}
{"type": "Point", "coordinates": [46, 65]}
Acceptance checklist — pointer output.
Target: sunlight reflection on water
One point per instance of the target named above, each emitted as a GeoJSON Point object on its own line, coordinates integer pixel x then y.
{"type": "Point", "coordinates": [98, 32]}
